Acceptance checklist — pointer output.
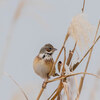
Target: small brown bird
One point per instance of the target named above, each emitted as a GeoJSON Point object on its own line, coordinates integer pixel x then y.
{"type": "Point", "coordinates": [43, 62]}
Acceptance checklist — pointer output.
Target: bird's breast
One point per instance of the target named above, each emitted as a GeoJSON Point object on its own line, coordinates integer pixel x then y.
{"type": "Point", "coordinates": [42, 67]}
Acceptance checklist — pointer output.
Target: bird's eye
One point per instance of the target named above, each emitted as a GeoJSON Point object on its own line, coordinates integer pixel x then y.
{"type": "Point", "coordinates": [50, 48]}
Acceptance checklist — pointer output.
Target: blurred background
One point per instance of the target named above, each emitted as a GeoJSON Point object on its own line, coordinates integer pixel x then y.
{"type": "Point", "coordinates": [25, 26]}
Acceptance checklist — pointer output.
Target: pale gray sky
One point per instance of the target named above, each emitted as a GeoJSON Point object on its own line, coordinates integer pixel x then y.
{"type": "Point", "coordinates": [41, 22]}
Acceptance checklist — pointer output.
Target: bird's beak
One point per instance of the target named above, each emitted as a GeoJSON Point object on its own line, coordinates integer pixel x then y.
{"type": "Point", "coordinates": [54, 49]}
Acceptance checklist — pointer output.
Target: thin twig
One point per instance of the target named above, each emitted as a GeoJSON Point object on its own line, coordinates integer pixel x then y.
{"type": "Point", "coordinates": [83, 6]}
{"type": "Point", "coordinates": [62, 77]}
{"type": "Point", "coordinates": [41, 91]}
{"type": "Point", "coordinates": [17, 85]}
{"type": "Point", "coordinates": [52, 94]}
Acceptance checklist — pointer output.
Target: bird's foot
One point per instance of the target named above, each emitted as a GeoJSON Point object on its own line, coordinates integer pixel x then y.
{"type": "Point", "coordinates": [44, 84]}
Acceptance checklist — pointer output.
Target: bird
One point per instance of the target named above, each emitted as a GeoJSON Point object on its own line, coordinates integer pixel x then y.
{"type": "Point", "coordinates": [43, 62]}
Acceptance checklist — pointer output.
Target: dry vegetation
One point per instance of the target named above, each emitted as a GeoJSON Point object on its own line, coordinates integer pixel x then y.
{"type": "Point", "coordinates": [76, 27]}
{"type": "Point", "coordinates": [65, 73]}
{"type": "Point", "coordinates": [66, 70]}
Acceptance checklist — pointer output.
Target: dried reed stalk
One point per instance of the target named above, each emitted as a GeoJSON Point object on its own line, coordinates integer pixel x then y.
{"type": "Point", "coordinates": [82, 78]}
{"type": "Point", "coordinates": [66, 91]}
{"type": "Point", "coordinates": [76, 83]}
{"type": "Point", "coordinates": [41, 91]}
{"type": "Point", "coordinates": [83, 6]}
{"type": "Point", "coordinates": [63, 69]}
{"type": "Point", "coordinates": [20, 88]}
{"type": "Point", "coordinates": [52, 94]}
{"type": "Point", "coordinates": [59, 96]}
{"type": "Point", "coordinates": [71, 55]}
{"type": "Point", "coordinates": [60, 87]}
